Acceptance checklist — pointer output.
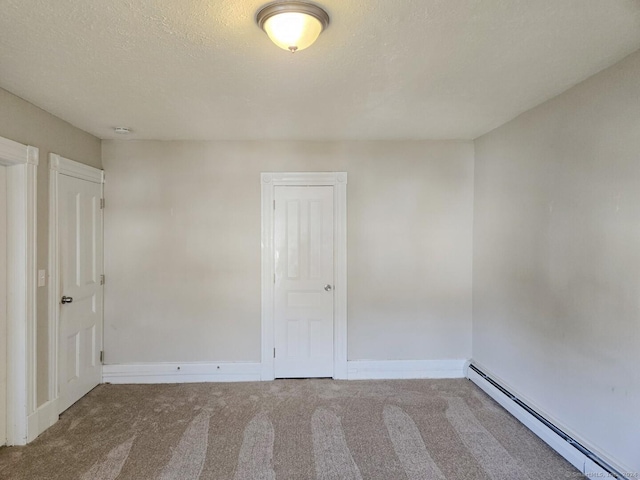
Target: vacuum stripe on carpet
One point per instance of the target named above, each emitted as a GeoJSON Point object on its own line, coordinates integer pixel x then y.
{"type": "Point", "coordinates": [255, 461]}
{"type": "Point", "coordinates": [111, 467]}
{"type": "Point", "coordinates": [188, 458]}
{"type": "Point", "coordinates": [488, 451]}
{"type": "Point", "coordinates": [333, 459]}
{"type": "Point", "coordinates": [409, 446]}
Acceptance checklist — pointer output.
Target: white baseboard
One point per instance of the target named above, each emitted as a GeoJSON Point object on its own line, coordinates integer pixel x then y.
{"type": "Point", "coordinates": [404, 369]}
{"type": "Point", "coordinates": [44, 417]}
{"type": "Point", "coordinates": [181, 372]}
{"type": "Point", "coordinates": [574, 456]}
{"type": "Point", "coordinates": [249, 372]}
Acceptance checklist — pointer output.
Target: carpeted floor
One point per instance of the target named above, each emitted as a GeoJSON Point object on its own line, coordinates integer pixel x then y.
{"type": "Point", "coordinates": [287, 429]}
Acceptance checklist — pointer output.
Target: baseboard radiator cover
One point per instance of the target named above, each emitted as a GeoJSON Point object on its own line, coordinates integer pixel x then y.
{"type": "Point", "coordinates": [184, 372]}
{"type": "Point", "coordinates": [588, 462]}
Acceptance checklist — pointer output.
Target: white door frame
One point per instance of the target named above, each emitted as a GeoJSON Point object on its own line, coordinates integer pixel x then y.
{"type": "Point", "coordinates": [22, 161]}
{"type": "Point", "coordinates": [338, 180]}
{"type": "Point", "coordinates": [60, 166]}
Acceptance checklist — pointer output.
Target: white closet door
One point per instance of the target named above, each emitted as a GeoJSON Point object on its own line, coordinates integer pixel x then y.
{"type": "Point", "coordinates": [304, 317]}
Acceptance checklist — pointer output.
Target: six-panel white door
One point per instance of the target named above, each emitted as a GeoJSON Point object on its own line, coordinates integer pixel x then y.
{"type": "Point", "coordinates": [80, 321]}
{"type": "Point", "coordinates": [303, 240]}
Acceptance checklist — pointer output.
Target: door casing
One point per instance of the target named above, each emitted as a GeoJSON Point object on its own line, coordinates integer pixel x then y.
{"type": "Point", "coordinates": [22, 166]}
{"type": "Point", "coordinates": [3, 307]}
{"type": "Point", "coordinates": [338, 180]}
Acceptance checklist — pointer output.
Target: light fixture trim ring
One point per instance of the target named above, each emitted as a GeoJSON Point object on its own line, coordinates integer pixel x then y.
{"type": "Point", "coordinates": [275, 8]}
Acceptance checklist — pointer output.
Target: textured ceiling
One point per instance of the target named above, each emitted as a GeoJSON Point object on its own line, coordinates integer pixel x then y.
{"type": "Point", "coordinates": [384, 69]}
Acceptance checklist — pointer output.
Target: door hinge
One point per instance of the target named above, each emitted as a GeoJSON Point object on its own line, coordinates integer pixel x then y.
{"type": "Point", "coordinates": [101, 203]}
{"type": "Point", "coordinates": [274, 204]}
{"type": "Point", "coordinates": [102, 279]}
{"type": "Point", "coordinates": [274, 353]}
{"type": "Point", "coordinates": [274, 278]}
{"type": "Point", "coordinates": [101, 356]}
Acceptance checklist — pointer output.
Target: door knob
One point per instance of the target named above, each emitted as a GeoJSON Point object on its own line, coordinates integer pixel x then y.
{"type": "Point", "coordinates": [327, 288]}
{"type": "Point", "coordinates": [66, 300]}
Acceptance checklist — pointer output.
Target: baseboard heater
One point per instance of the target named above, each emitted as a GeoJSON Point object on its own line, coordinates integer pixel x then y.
{"type": "Point", "coordinates": [611, 471]}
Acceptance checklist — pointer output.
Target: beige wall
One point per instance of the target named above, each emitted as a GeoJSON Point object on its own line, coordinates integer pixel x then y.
{"type": "Point", "coordinates": [556, 282]}
{"type": "Point", "coordinates": [25, 123]}
{"type": "Point", "coordinates": [182, 236]}
{"type": "Point", "coordinates": [3, 305]}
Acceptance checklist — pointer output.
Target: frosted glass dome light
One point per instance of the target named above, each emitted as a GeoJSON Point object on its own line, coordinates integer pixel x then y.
{"type": "Point", "coordinates": [292, 26]}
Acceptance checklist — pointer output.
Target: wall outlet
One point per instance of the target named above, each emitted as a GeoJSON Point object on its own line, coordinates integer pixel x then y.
{"type": "Point", "coordinates": [42, 278]}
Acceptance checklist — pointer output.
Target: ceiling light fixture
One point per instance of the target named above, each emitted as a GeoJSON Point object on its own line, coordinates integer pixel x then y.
{"type": "Point", "coordinates": [122, 130]}
{"type": "Point", "coordinates": [292, 26]}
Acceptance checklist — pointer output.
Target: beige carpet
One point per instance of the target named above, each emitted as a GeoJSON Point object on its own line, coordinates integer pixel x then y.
{"type": "Point", "coordinates": [287, 429]}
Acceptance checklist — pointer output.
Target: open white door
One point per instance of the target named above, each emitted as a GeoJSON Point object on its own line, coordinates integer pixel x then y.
{"type": "Point", "coordinates": [80, 245]}
{"type": "Point", "coordinates": [304, 282]}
